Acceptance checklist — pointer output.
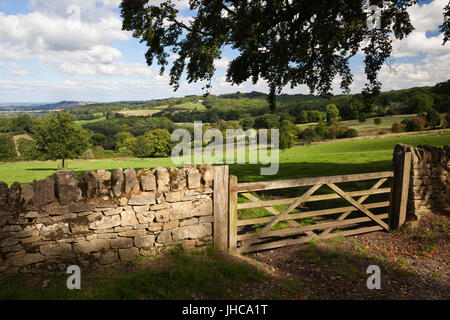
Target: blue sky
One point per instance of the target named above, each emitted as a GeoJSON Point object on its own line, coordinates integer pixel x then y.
{"type": "Point", "coordinates": [52, 50]}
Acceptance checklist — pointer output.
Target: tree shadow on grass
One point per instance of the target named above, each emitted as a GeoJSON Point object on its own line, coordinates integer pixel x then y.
{"type": "Point", "coordinates": [252, 172]}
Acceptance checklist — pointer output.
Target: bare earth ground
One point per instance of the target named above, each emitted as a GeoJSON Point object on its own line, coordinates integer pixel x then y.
{"type": "Point", "coordinates": [414, 265]}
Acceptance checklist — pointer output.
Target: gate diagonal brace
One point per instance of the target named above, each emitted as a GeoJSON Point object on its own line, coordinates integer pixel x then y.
{"type": "Point", "coordinates": [275, 212]}
{"type": "Point", "coordinates": [360, 200]}
{"type": "Point", "coordinates": [279, 217]}
{"type": "Point", "coordinates": [357, 205]}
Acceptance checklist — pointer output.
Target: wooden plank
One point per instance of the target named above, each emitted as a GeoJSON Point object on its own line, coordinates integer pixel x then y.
{"type": "Point", "coordinates": [358, 205]}
{"type": "Point", "coordinates": [232, 220]}
{"type": "Point", "coordinates": [308, 214]}
{"type": "Point", "coordinates": [275, 244]}
{"type": "Point", "coordinates": [400, 185]}
{"type": "Point", "coordinates": [405, 189]}
{"type": "Point", "coordinates": [269, 203]}
{"type": "Point", "coordinates": [275, 212]}
{"type": "Point", "coordinates": [282, 215]}
{"type": "Point", "coordinates": [280, 184]}
{"type": "Point", "coordinates": [287, 242]}
{"type": "Point", "coordinates": [360, 200]}
{"type": "Point", "coordinates": [303, 229]}
{"type": "Point", "coordinates": [221, 208]}
{"type": "Point", "coordinates": [272, 210]}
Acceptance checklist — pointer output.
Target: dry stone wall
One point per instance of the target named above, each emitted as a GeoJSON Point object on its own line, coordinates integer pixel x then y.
{"type": "Point", "coordinates": [429, 187]}
{"type": "Point", "coordinates": [104, 217]}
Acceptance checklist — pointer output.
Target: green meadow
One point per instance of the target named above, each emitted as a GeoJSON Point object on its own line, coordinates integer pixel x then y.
{"type": "Point", "coordinates": [340, 157]}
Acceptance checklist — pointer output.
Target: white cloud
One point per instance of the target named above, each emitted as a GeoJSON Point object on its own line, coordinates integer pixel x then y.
{"type": "Point", "coordinates": [52, 37]}
{"type": "Point", "coordinates": [427, 17]}
{"type": "Point", "coordinates": [222, 63]}
{"type": "Point", "coordinates": [37, 32]}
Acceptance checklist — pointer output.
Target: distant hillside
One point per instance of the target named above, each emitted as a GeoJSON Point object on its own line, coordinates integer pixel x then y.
{"type": "Point", "coordinates": [63, 105]}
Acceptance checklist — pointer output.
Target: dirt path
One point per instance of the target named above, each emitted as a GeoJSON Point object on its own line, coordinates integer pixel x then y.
{"type": "Point", "coordinates": [414, 265]}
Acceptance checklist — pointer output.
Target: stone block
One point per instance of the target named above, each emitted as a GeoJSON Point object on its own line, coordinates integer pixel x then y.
{"type": "Point", "coordinates": [67, 187]}
{"type": "Point", "coordinates": [59, 249]}
{"type": "Point", "coordinates": [117, 182]}
{"type": "Point", "coordinates": [162, 179]}
{"type": "Point", "coordinates": [130, 179]}
{"type": "Point", "coordinates": [192, 232]}
{"type": "Point", "coordinates": [147, 180]}
{"type": "Point", "coordinates": [145, 198]}
{"type": "Point", "coordinates": [170, 225]}
{"type": "Point", "coordinates": [106, 223]}
{"type": "Point", "coordinates": [128, 254]}
{"type": "Point", "coordinates": [121, 243]}
{"type": "Point", "coordinates": [91, 246]}
{"type": "Point", "coordinates": [128, 218]}
{"type": "Point", "coordinates": [164, 237]}
{"type": "Point", "coordinates": [144, 241]}
{"type": "Point", "coordinates": [44, 191]}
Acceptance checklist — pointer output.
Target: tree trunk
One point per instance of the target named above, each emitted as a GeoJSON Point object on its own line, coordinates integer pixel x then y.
{"type": "Point", "coordinates": [63, 165]}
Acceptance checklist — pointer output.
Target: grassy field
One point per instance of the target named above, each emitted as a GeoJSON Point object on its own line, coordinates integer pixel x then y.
{"type": "Point", "coordinates": [340, 157]}
{"type": "Point", "coordinates": [82, 122]}
{"type": "Point", "coordinates": [151, 111]}
{"type": "Point", "coordinates": [369, 127]}
{"type": "Point", "coordinates": [141, 112]}
{"type": "Point", "coordinates": [190, 106]}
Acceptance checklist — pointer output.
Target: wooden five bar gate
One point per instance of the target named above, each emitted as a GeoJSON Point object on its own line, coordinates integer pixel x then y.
{"type": "Point", "coordinates": [237, 235]}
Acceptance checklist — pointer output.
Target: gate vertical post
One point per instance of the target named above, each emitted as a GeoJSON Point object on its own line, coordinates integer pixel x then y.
{"type": "Point", "coordinates": [232, 216]}
{"type": "Point", "coordinates": [221, 208]}
{"type": "Point", "coordinates": [400, 189]}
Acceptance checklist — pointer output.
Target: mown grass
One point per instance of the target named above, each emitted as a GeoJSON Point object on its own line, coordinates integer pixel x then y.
{"type": "Point", "coordinates": [368, 127]}
{"type": "Point", "coordinates": [199, 274]}
{"type": "Point", "coordinates": [340, 157]}
{"type": "Point", "coordinates": [82, 122]}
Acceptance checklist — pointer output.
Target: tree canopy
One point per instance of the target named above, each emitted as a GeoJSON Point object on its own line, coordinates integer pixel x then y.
{"type": "Point", "coordinates": [60, 138]}
{"type": "Point", "coordinates": [283, 42]}
{"type": "Point", "coordinates": [7, 147]}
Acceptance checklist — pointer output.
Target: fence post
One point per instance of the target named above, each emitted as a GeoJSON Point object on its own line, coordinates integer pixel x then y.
{"type": "Point", "coordinates": [232, 217]}
{"type": "Point", "coordinates": [400, 189]}
{"type": "Point", "coordinates": [221, 208]}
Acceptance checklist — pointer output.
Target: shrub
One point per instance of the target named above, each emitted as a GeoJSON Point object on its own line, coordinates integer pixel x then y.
{"type": "Point", "coordinates": [27, 149]}
{"type": "Point", "coordinates": [7, 147]}
{"type": "Point", "coordinates": [341, 132]}
{"type": "Point", "coordinates": [247, 123]}
{"type": "Point", "coordinates": [398, 127]}
{"type": "Point", "coordinates": [321, 130]}
{"type": "Point", "coordinates": [377, 121]}
{"type": "Point", "coordinates": [287, 135]}
{"type": "Point", "coordinates": [446, 121]}
{"type": "Point", "coordinates": [155, 143]}
{"type": "Point", "coordinates": [308, 135]}
{"type": "Point", "coordinates": [88, 155]}
{"type": "Point", "coordinates": [433, 118]}
{"type": "Point", "coordinates": [351, 133]}
{"type": "Point", "coordinates": [332, 113]}
{"type": "Point", "coordinates": [415, 124]}
{"type": "Point", "coordinates": [331, 134]}
{"type": "Point", "coordinates": [362, 117]}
